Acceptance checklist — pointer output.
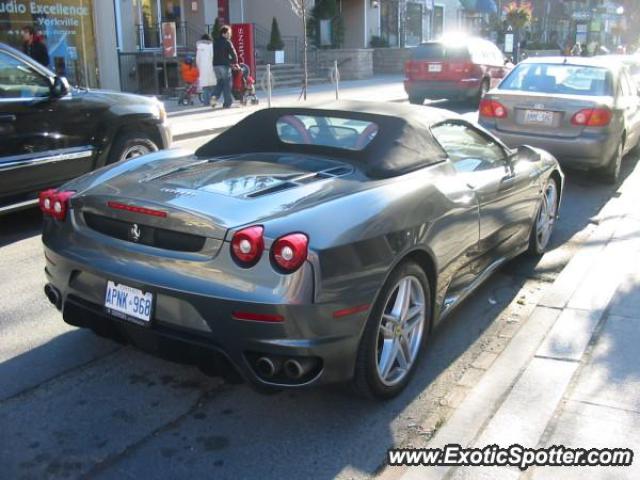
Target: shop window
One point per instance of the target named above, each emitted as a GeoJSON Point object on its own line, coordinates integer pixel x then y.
{"type": "Point", "coordinates": [66, 29]}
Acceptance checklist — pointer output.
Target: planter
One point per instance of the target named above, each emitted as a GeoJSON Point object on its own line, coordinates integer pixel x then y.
{"type": "Point", "coordinates": [275, 57]}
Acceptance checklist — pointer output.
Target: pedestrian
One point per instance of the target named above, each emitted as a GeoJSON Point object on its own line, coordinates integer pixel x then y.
{"type": "Point", "coordinates": [34, 47]}
{"type": "Point", "coordinates": [224, 57]}
{"type": "Point", "coordinates": [204, 61]}
{"type": "Point", "coordinates": [576, 51]}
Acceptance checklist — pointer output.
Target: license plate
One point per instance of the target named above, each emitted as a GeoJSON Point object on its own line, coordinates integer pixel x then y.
{"type": "Point", "coordinates": [128, 303]}
{"type": "Point", "coordinates": [435, 67]}
{"type": "Point", "coordinates": [538, 117]}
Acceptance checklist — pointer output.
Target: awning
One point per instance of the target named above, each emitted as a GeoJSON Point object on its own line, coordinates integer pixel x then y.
{"type": "Point", "coordinates": [480, 6]}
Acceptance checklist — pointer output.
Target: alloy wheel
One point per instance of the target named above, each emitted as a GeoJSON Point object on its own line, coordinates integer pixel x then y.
{"type": "Point", "coordinates": [133, 151]}
{"type": "Point", "coordinates": [400, 331]}
{"type": "Point", "coordinates": [547, 216]}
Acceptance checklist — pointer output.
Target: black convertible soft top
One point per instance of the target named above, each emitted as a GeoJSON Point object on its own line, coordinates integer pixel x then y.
{"type": "Point", "coordinates": [404, 142]}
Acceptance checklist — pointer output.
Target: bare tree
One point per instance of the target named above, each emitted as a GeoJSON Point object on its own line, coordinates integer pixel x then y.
{"type": "Point", "coordinates": [300, 9]}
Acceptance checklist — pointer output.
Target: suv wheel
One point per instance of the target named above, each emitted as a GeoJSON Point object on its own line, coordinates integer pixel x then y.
{"type": "Point", "coordinates": [485, 86]}
{"type": "Point", "coordinates": [131, 145]}
{"type": "Point", "coordinates": [394, 334]}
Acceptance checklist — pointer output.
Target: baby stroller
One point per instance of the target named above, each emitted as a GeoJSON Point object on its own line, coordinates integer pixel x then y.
{"type": "Point", "coordinates": [190, 74]}
{"type": "Point", "coordinates": [243, 87]}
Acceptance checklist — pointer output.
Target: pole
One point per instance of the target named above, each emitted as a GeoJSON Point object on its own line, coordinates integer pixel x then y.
{"type": "Point", "coordinates": [336, 72]}
{"type": "Point", "coordinates": [306, 44]}
{"type": "Point", "coordinates": [269, 85]}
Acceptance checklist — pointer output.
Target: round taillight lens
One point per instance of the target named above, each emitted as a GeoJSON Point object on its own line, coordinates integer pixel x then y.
{"type": "Point", "coordinates": [247, 245]}
{"type": "Point", "coordinates": [580, 118]}
{"type": "Point", "coordinates": [499, 110]}
{"type": "Point", "coordinates": [290, 252]}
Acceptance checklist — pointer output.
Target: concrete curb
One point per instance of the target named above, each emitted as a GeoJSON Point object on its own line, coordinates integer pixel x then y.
{"type": "Point", "coordinates": [505, 406]}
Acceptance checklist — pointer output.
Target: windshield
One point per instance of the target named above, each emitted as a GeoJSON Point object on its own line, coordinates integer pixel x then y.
{"type": "Point", "coordinates": [333, 132]}
{"type": "Point", "coordinates": [559, 79]}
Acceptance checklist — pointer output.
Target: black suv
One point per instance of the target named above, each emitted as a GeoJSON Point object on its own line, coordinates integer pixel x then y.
{"type": "Point", "coordinates": [50, 132]}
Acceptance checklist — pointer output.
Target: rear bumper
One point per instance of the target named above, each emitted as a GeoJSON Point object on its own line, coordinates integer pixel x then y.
{"type": "Point", "coordinates": [461, 89]}
{"type": "Point", "coordinates": [588, 151]}
{"type": "Point", "coordinates": [193, 327]}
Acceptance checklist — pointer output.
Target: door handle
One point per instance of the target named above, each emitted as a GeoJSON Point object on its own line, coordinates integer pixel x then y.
{"type": "Point", "coordinates": [507, 182]}
{"type": "Point", "coordinates": [7, 118]}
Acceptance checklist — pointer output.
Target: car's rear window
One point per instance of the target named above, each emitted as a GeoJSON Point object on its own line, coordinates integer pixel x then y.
{"type": "Point", "coordinates": [440, 51]}
{"type": "Point", "coordinates": [559, 79]}
{"type": "Point", "coordinates": [344, 133]}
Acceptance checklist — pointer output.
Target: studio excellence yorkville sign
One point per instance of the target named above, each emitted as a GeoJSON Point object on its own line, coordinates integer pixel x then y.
{"type": "Point", "coordinates": [35, 8]}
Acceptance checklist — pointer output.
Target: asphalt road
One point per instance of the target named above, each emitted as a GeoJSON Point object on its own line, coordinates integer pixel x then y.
{"type": "Point", "coordinates": [74, 405]}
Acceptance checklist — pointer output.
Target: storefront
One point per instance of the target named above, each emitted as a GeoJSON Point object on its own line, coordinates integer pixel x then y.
{"type": "Point", "coordinates": [67, 30]}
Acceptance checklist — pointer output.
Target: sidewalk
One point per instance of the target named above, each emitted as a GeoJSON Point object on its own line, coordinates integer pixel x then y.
{"type": "Point", "coordinates": [190, 122]}
{"type": "Point", "coordinates": [571, 375]}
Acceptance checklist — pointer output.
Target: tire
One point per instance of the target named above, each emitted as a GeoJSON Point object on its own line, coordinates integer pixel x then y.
{"type": "Point", "coordinates": [369, 378]}
{"type": "Point", "coordinates": [545, 220]}
{"type": "Point", "coordinates": [416, 100]}
{"type": "Point", "coordinates": [485, 86]}
{"type": "Point", "coordinates": [128, 145]}
{"type": "Point", "coordinates": [611, 173]}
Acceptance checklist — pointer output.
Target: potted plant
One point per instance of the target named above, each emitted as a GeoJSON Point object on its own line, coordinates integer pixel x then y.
{"type": "Point", "coordinates": [276, 45]}
{"type": "Point", "coordinates": [518, 15]}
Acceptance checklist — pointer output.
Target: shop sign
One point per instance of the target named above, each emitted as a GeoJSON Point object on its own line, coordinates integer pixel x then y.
{"type": "Point", "coordinates": [244, 42]}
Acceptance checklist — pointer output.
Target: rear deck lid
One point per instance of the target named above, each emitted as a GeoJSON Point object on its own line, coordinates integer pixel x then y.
{"type": "Point", "coordinates": [206, 197]}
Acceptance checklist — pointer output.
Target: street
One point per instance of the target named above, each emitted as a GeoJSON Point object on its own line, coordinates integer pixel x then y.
{"type": "Point", "coordinates": [75, 405]}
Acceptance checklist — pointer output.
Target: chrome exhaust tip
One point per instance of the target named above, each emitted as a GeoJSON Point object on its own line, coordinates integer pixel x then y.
{"type": "Point", "coordinates": [296, 369]}
{"type": "Point", "coordinates": [53, 295]}
{"type": "Point", "coordinates": [267, 367]}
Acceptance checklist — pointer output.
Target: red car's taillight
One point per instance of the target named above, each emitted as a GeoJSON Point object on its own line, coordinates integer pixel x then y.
{"type": "Point", "coordinates": [290, 252]}
{"type": "Point", "coordinates": [492, 109]}
{"type": "Point", "coordinates": [462, 67]}
{"type": "Point", "coordinates": [592, 117]}
{"type": "Point", "coordinates": [247, 245]}
{"type": "Point", "coordinates": [55, 203]}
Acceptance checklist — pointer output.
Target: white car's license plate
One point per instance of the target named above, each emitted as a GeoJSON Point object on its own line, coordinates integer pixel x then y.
{"type": "Point", "coordinates": [435, 67]}
{"type": "Point", "coordinates": [128, 303]}
{"type": "Point", "coordinates": [538, 117]}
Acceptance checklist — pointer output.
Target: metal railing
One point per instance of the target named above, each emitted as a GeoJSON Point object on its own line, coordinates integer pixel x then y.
{"type": "Point", "coordinates": [149, 73]}
{"type": "Point", "coordinates": [150, 35]}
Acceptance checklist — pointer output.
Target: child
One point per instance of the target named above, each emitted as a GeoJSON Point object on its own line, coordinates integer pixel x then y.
{"type": "Point", "coordinates": [190, 76]}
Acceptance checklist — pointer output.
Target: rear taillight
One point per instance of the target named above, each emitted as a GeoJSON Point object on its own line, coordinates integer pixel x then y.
{"type": "Point", "coordinates": [492, 109]}
{"type": "Point", "coordinates": [592, 117]}
{"type": "Point", "coordinates": [462, 67]}
{"type": "Point", "coordinates": [289, 252]}
{"type": "Point", "coordinates": [247, 245]}
{"type": "Point", "coordinates": [55, 203]}
{"type": "Point", "coordinates": [411, 68]}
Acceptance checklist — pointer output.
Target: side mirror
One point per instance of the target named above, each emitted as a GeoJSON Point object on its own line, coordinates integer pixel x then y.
{"type": "Point", "coordinates": [59, 87]}
{"type": "Point", "coordinates": [525, 152]}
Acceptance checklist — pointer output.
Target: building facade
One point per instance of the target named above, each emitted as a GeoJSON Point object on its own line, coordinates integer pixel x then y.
{"type": "Point", "coordinates": [98, 43]}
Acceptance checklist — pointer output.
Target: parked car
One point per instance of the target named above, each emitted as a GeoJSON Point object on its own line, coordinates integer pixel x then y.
{"type": "Point", "coordinates": [585, 111]}
{"type": "Point", "coordinates": [52, 132]}
{"type": "Point", "coordinates": [305, 246]}
{"type": "Point", "coordinates": [455, 69]}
